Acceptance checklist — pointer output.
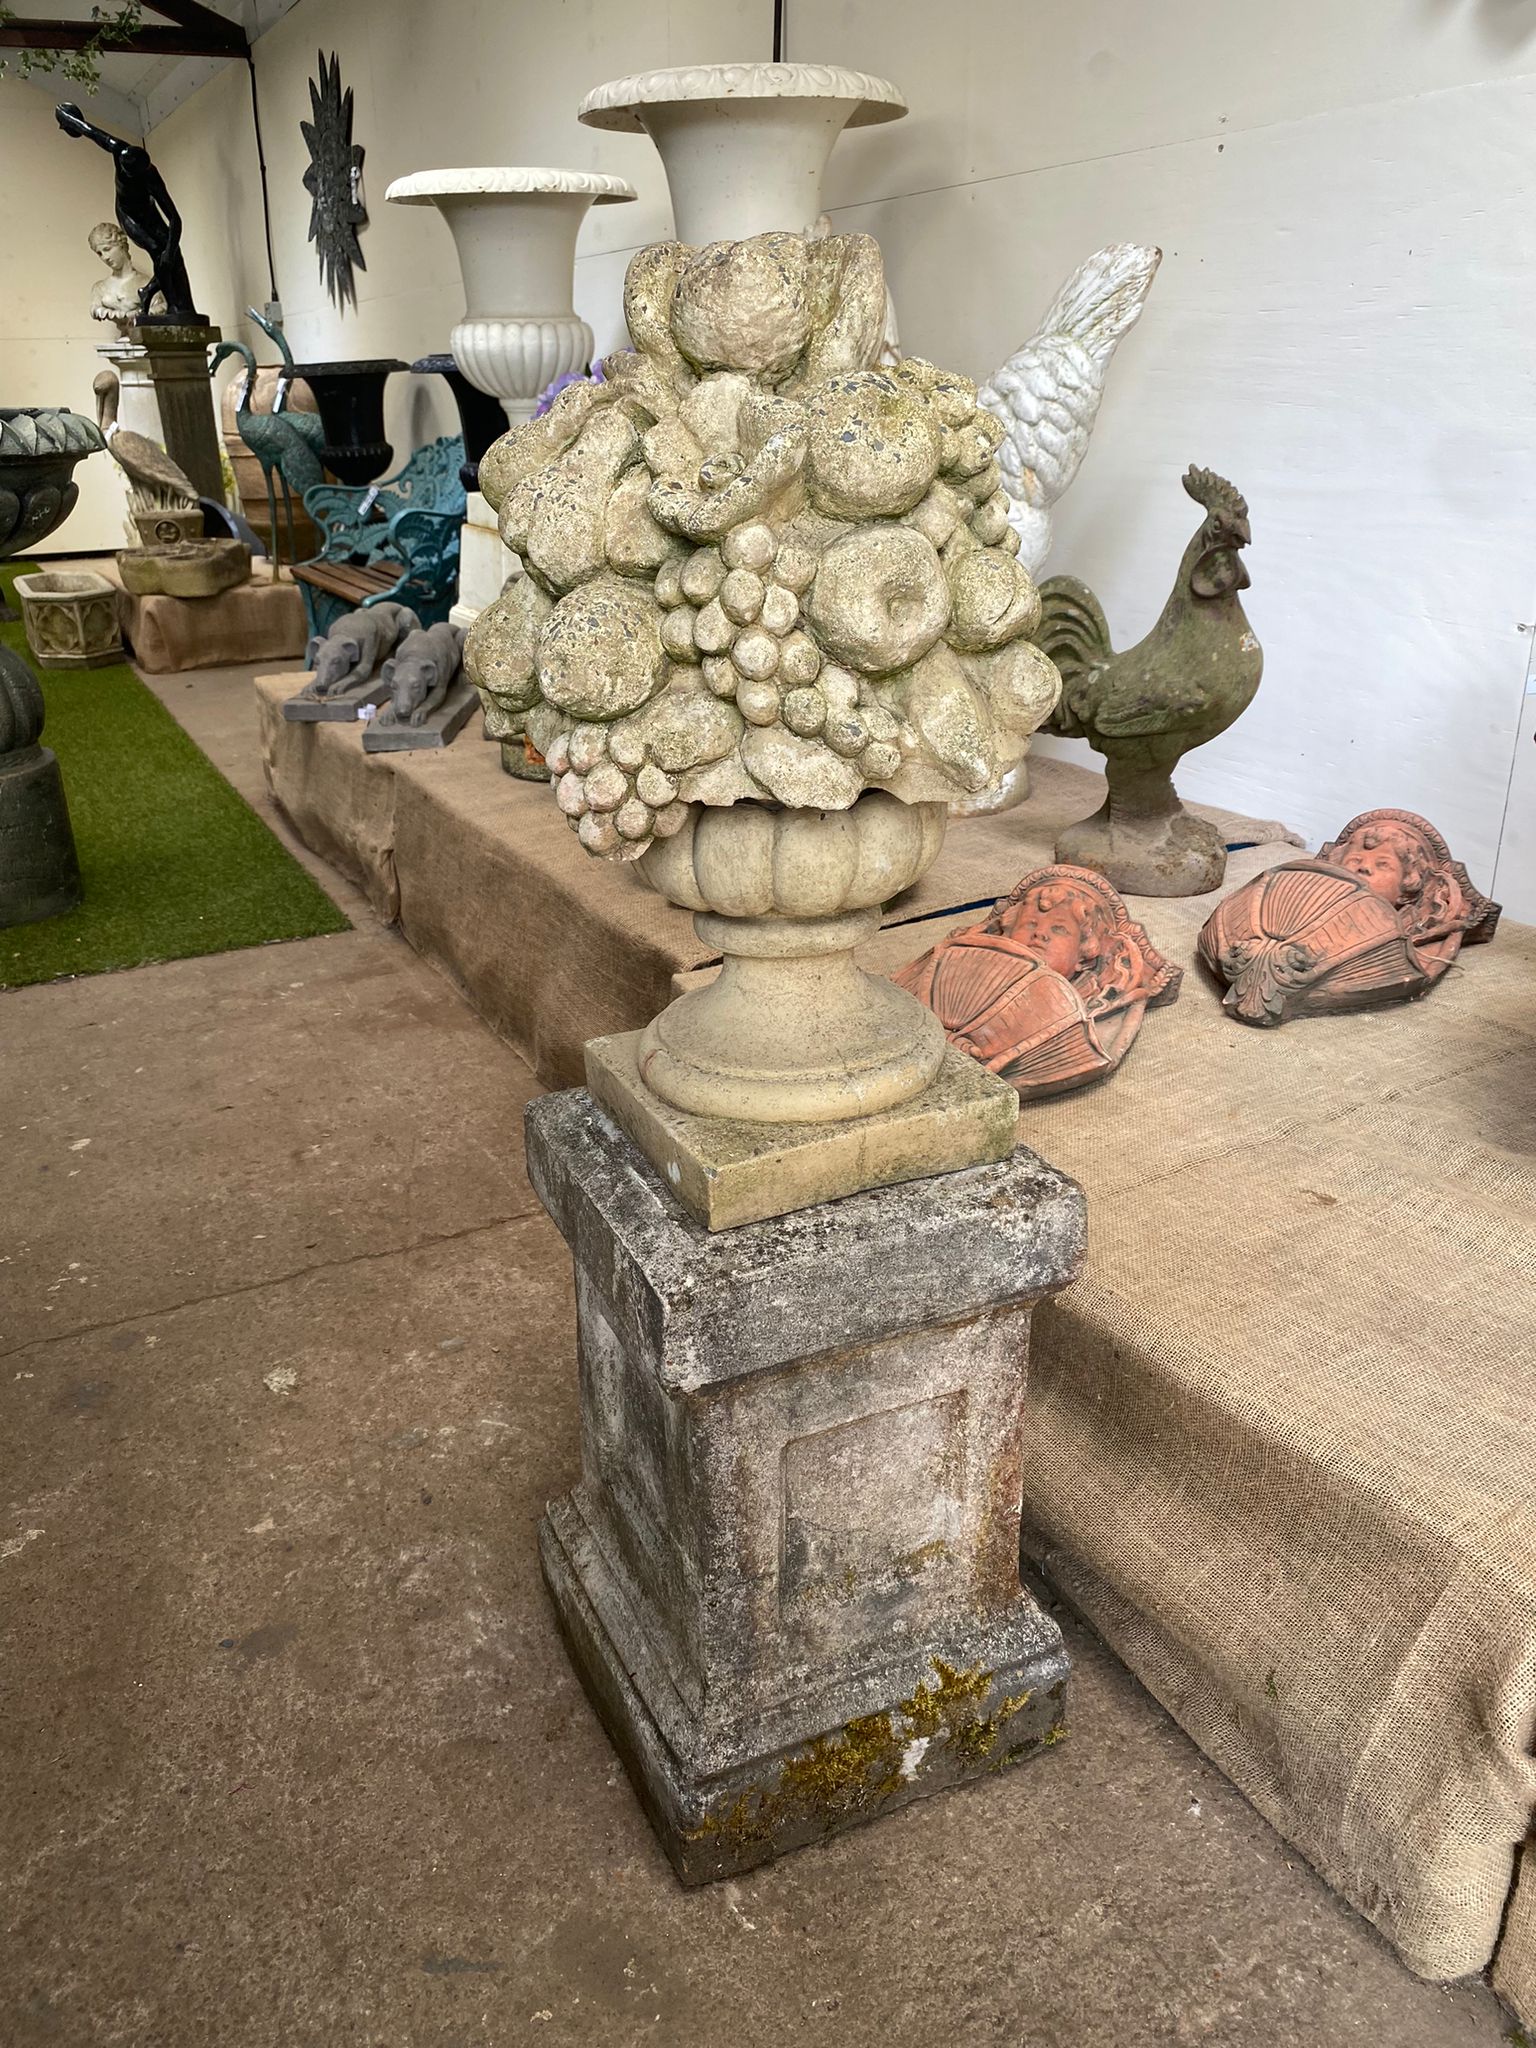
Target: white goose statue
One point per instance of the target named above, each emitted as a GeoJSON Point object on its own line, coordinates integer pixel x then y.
{"type": "Point", "coordinates": [1047, 393]}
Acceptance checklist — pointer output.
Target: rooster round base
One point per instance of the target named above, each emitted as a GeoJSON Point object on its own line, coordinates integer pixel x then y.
{"type": "Point", "coordinates": [1146, 842]}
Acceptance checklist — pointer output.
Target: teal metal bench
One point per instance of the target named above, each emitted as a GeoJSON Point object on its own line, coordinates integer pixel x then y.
{"type": "Point", "coordinates": [398, 539]}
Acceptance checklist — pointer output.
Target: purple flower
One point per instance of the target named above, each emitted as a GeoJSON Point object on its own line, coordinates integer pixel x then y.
{"type": "Point", "coordinates": [551, 392]}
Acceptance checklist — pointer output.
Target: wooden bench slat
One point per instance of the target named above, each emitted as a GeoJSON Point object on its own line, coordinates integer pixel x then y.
{"type": "Point", "coordinates": [346, 580]}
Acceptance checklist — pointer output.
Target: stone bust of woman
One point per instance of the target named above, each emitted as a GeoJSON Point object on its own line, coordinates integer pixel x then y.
{"type": "Point", "coordinates": [115, 297]}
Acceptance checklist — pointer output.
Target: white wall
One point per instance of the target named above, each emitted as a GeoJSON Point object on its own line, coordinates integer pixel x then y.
{"type": "Point", "coordinates": [56, 191]}
{"type": "Point", "coordinates": [457, 82]}
{"type": "Point", "coordinates": [1343, 322]}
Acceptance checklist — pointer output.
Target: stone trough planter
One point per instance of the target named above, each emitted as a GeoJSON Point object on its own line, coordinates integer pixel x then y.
{"type": "Point", "coordinates": [70, 617]}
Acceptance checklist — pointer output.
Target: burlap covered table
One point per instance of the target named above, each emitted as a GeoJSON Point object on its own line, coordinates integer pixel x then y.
{"type": "Point", "coordinates": [262, 620]}
{"type": "Point", "coordinates": [1282, 1451]}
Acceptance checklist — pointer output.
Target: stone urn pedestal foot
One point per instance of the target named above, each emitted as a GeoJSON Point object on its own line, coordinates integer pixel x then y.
{"type": "Point", "coordinates": [789, 1576]}
{"type": "Point", "coordinates": [39, 868]}
{"type": "Point", "coordinates": [1149, 845]}
{"type": "Point", "coordinates": [795, 1077]}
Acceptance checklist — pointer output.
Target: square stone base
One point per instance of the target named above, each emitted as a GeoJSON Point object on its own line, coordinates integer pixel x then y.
{"type": "Point", "coordinates": [924, 1723]}
{"type": "Point", "coordinates": [386, 735]}
{"type": "Point", "coordinates": [789, 1575]}
{"type": "Point", "coordinates": [727, 1174]}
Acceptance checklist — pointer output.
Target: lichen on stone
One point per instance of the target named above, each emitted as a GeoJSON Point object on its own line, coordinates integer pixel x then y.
{"type": "Point", "coordinates": [872, 1756]}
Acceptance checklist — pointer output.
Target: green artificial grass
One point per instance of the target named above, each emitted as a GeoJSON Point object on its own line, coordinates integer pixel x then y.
{"type": "Point", "coordinates": [175, 862]}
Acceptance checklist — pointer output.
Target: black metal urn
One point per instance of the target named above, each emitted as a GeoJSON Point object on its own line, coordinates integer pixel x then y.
{"type": "Point", "coordinates": [351, 401]}
{"type": "Point", "coordinates": [482, 418]}
{"type": "Point", "coordinates": [39, 447]}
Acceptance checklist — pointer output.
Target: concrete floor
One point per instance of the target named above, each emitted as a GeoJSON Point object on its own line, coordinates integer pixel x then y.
{"type": "Point", "coordinates": [291, 1751]}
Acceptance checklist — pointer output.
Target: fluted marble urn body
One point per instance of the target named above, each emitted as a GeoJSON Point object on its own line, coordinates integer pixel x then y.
{"type": "Point", "coordinates": [515, 230]}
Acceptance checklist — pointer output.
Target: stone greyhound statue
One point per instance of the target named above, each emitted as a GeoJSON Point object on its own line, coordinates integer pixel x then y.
{"type": "Point", "coordinates": [354, 646]}
{"type": "Point", "coordinates": [421, 672]}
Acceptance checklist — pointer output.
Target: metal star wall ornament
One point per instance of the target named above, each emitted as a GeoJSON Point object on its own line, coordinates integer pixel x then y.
{"type": "Point", "coordinates": [334, 182]}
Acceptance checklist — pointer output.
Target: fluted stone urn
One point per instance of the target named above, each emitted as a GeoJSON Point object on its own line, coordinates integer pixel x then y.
{"type": "Point", "coordinates": [793, 1030]}
{"type": "Point", "coordinates": [515, 229]}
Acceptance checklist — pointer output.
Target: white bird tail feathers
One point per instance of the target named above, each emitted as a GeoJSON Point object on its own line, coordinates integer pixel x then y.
{"type": "Point", "coordinates": [1102, 300]}
{"type": "Point", "coordinates": [1047, 393]}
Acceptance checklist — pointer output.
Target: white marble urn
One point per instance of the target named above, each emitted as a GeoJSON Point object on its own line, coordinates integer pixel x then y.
{"type": "Point", "coordinates": [744, 145]}
{"type": "Point", "coordinates": [515, 230]}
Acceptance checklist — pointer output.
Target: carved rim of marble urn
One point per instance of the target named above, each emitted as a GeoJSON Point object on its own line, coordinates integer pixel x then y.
{"type": "Point", "coordinates": [616, 104]}
{"type": "Point", "coordinates": [792, 1031]}
{"type": "Point", "coordinates": [425, 188]}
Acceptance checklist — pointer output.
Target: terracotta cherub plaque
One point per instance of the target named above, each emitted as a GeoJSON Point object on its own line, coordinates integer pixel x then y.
{"type": "Point", "coordinates": [1050, 992]}
{"type": "Point", "coordinates": [1376, 917]}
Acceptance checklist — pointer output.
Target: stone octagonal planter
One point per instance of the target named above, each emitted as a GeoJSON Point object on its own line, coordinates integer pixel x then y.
{"type": "Point", "coordinates": [70, 617]}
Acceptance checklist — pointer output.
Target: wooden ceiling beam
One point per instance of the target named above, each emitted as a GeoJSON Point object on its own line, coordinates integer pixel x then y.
{"type": "Point", "coordinates": [18, 34]}
{"type": "Point", "coordinates": [192, 14]}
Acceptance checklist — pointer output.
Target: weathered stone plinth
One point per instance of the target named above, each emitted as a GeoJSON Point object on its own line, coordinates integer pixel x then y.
{"type": "Point", "coordinates": [176, 355]}
{"type": "Point", "coordinates": [789, 1574]}
{"type": "Point", "coordinates": [726, 1172]}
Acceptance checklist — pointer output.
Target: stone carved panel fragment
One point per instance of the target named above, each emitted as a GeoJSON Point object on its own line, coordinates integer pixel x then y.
{"type": "Point", "coordinates": [1376, 917]}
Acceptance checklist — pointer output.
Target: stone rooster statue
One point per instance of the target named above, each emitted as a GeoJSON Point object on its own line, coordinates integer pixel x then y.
{"type": "Point", "coordinates": [1047, 393]}
{"type": "Point", "coordinates": [1192, 676]}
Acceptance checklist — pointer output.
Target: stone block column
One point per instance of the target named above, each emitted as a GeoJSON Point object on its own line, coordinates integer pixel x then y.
{"type": "Point", "coordinates": [177, 359]}
{"type": "Point", "coordinates": [789, 1573]}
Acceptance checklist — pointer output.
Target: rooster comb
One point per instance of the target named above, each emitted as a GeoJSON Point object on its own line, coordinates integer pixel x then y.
{"type": "Point", "coordinates": [1215, 493]}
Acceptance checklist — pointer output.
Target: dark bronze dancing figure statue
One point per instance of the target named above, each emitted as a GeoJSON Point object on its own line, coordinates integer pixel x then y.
{"type": "Point", "coordinates": [146, 216]}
